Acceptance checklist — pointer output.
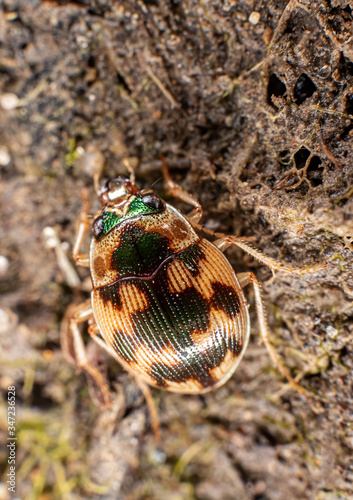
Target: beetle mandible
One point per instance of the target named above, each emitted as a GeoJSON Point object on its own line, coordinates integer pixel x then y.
{"type": "Point", "coordinates": [165, 302]}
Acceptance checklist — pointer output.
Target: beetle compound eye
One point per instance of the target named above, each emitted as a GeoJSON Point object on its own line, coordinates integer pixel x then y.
{"type": "Point", "coordinates": [98, 228]}
{"type": "Point", "coordinates": [153, 201]}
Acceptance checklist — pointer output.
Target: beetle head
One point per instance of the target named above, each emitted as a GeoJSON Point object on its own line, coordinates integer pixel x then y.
{"type": "Point", "coordinates": [122, 200]}
{"type": "Point", "coordinates": [116, 190]}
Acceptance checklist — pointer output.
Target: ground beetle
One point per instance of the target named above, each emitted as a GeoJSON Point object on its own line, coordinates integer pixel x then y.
{"type": "Point", "coordinates": [165, 302]}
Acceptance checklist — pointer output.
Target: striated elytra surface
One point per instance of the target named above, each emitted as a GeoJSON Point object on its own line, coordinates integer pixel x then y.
{"type": "Point", "coordinates": [168, 301]}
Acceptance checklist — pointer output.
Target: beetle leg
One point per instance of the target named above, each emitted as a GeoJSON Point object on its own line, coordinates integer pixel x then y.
{"type": "Point", "coordinates": [66, 337]}
{"type": "Point", "coordinates": [82, 259]}
{"type": "Point", "coordinates": [94, 332]}
{"type": "Point", "coordinates": [74, 349]}
{"type": "Point", "coordinates": [245, 279]}
{"type": "Point", "coordinates": [226, 241]}
{"type": "Point", "coordinates": [175, 190]}
{"type": "Point", "coordinates": [146, 391]}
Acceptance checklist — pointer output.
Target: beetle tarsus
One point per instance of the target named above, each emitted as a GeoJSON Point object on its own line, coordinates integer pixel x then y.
{"type": "Point", "coordinates": [75, 351]}
{"type": "Point", "coordinates": [175, 190]}
{"type": "Point", "coordinates": [79, 258]}
{"type": "Point", "coordinates": [245, 279]}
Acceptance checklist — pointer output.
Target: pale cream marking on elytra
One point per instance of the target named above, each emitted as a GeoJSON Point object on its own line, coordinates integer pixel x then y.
{"type": "Point", "coordinates": [132, 298]}
{"type": "Point", "coordinates": [220, 329]}
{"type": "Point", "coordinates": [221, 371]}
{"type": "Point", "coordinates": [108, 321]}
{"type": "Point", "coordinates": [178, 277]}
{"type": "Point", "coordinates": [215, 266]}
{"type": "Point", "coordinates": [145, 358]}
{"type": "Point", "coordinates": [191, 386]}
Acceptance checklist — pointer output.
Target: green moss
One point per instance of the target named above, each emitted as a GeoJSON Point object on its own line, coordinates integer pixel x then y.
{"type": "Point", "coordinates": [72, 154]}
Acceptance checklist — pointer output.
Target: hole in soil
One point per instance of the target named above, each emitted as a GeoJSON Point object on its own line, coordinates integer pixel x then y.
{"type": "Point", "coordinates": [302, 189]}
{"type": "Point", "coordinates": [122, 82]}
{"type": "Point", "coordinates": [275, 87]}
{"type": "Point", "coordinates": [303, 89]}
{"type": "Point", "coordinates": [38, 399]}
{"type": "Point", "coordinates": [301, 157]}
{"type": "Point", "coordinates": [284, 158]}
{"type": "Point", "coordinates": [346, 131]}
{"type": "Point", "coordinates": [342, 203]}
{"type": "Point", "coordinates": [91, 63]}
{"type": "Point", "coordinates": [337, 24]}
{"type": "Point", "coordinates": [345, 66]}
{"type": "Point", "coordinates": [284, 155]}
{"type": "Point", "coordinates": [314, 171]}
{"type": "Point", "coordinates": [349, 104]}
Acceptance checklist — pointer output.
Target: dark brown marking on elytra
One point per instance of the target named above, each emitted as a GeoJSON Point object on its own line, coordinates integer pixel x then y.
{"type": "Point", "coordinates": [225, 298]}
{"type": "Point", "coordinates": [126, 346]}
{"type": "Point", "coordinates": [110, 294]}
{"type": "Point", "coordinates": [162, 374]}
{"type": "Point", "coordinates": [191, 257]}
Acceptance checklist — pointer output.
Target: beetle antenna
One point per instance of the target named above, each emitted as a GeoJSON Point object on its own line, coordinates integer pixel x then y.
{"type": "Point", "coordinates": [96, 183]}
{"type": "Point", "coordinates": [155, 182]}
{"type": "Point", "coordinates": [129, 167]}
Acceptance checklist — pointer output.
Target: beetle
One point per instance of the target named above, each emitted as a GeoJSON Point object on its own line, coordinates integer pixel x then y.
{"type": "Point", "coordinates": [165, 301]}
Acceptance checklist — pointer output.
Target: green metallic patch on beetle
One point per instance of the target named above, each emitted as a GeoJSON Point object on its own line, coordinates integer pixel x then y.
{"type": "Point", "coordinates": [110, 219]}
{"type": "Point", "coordinates": [104, 223]}
{"type": "Point", "coordinates": [139, 252]}
{"type": "Point", "coordinates": [126, 346]}
{"type": "Point", "coordinates": [171, 318]}
{"type": "Point", "coordinates": [138, 207]}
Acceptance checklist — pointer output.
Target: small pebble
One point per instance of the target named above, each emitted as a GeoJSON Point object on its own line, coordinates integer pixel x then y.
{"type": "Point", "coordinates": [159, 457]}
{"type": "Point", "coordinates": [254, 17]}
{"type": "Point", "coordinates": [240, 15]}
{"type": "Point", "coordinates": [324, 71]}
{"type": "Point", "coordinates": [4, 265]}
{"type": "Point", "coordinates": [331, 332]}
{"type": "Point", "coordinates": [50, 237]}
{"type": "Point", "coordinates": [7, 320]}
{"type": "Point", "coordinates": [5, 157]}
{"type": "Point", "coordinates": [9, 101]}
{"type": "Point", "coordinates": [267, 35]}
